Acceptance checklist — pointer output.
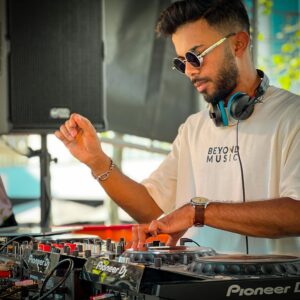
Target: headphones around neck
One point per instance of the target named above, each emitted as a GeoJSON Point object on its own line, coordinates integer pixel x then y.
{"type": "Point", "coordinates": [240, 105]}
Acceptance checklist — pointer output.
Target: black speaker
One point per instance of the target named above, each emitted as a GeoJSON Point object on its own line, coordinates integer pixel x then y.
{"type": "Point", "coordinates": [51, 63]}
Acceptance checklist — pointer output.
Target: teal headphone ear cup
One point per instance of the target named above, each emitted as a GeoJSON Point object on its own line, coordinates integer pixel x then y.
{"type": "Point", "coordinates": [215, 114]}
{"type": "Point", "coordinates": [223, 113]}
{"type": "Point", "coordinates": [240, 106]}
{"type": "Point", "coordinates": [218, 114]}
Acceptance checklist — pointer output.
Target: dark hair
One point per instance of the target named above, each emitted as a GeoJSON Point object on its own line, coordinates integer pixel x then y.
{"type": "Point", "coordinates": [223, 15]}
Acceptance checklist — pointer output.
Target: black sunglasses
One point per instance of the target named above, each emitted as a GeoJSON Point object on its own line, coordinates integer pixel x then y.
{"type": "Point", "coordinates": [194, 58]}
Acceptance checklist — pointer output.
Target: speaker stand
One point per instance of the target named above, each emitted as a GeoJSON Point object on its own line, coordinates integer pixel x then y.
{"type": "Point", "coordinates": [45, 183]}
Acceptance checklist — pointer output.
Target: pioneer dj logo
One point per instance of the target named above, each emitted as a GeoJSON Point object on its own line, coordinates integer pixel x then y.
{"type": "Point", "coordinates": [106, 268]}
{"type": "Point", "coordinates": [236, 290]}
{"type": "Point", "coordinates": [41, 264]}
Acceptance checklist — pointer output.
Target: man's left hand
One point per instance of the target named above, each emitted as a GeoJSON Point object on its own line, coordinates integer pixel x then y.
{"type": "Point", "coordinates": [174, 224]}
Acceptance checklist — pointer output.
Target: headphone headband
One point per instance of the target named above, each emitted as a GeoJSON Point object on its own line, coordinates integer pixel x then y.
{"type": "Point", "coordinates": [264, 84]}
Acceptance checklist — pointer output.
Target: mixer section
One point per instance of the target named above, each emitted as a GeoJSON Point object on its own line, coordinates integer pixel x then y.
{"type": "Point", "coordinates": [82, 267]}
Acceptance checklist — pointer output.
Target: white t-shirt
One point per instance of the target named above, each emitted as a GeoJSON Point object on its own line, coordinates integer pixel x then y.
{"type": "Point", "coordinates": [204, 162]}
{"type": "Point", "coordinates": [5, 204]}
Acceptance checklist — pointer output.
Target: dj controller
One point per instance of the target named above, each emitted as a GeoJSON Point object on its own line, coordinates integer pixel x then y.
{"type": "Point", "coordinates": [75, 267]}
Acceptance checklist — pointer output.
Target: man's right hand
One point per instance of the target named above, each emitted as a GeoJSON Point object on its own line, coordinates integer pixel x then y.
{"type": "Point", "coordinates": [80, 137]}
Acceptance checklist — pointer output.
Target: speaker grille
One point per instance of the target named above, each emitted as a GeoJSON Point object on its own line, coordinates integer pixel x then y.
{"type": "Point", "coordinates": [55, 62]}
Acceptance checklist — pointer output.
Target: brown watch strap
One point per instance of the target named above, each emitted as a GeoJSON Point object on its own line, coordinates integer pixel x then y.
{"type": "Point", "coordinates": [199, 215]}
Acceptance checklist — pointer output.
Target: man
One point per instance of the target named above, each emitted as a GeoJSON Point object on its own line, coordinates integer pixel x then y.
{"type": "Point", "coordinates": [241, 156]}
{"type": "Point", "coordinates": [7, 217]}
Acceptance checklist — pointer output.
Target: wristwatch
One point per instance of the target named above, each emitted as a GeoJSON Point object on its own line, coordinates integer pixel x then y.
{"type": "Point", "coordinates": [199, 203]}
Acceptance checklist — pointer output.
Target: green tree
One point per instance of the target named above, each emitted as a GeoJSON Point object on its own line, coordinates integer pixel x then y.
{"type": "Point", "coordinates": [285, 66]}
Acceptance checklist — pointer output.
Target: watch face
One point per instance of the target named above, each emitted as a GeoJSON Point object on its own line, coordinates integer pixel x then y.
{"type": "Point", "coordinates": [199, 200]}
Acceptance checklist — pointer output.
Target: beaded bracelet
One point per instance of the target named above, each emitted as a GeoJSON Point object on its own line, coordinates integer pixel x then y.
{"type": "Point", "coordinates": [105, 175]}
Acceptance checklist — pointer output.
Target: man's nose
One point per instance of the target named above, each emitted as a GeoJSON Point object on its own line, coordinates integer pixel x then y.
{"type": "Point", "coordinates": [190, 71]}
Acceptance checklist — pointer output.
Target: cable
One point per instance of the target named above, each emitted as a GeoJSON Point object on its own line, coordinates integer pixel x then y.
{"type": "Point", "coordinates": [49, 275]}
{"type": "Point", "coordinates": [69, 270]}
{"type": "Point", "coordinates": [14, 239]}
{"type": "Point", "coordinates": [240, 161]}
{"type": "Point", "coordinates": [183, 241]}
{"type": "Point", "coordinates": [242, 176]}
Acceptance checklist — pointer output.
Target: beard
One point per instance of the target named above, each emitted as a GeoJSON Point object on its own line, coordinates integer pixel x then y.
{"type": "Point", "coordinates": [226, 80]}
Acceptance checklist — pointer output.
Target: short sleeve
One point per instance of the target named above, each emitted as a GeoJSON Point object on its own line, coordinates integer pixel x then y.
{"type": "Point", "coordinates": [162, 183]}
{"type": "Point", "coordinates": [290, 175]}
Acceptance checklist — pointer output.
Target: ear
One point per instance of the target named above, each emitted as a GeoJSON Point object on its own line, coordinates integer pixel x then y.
{"type": "Point", "coordinates": [241, 43]}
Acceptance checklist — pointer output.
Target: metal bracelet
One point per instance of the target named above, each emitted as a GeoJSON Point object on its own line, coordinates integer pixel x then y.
{"type": "Point", "coordinates": [104, 176]}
